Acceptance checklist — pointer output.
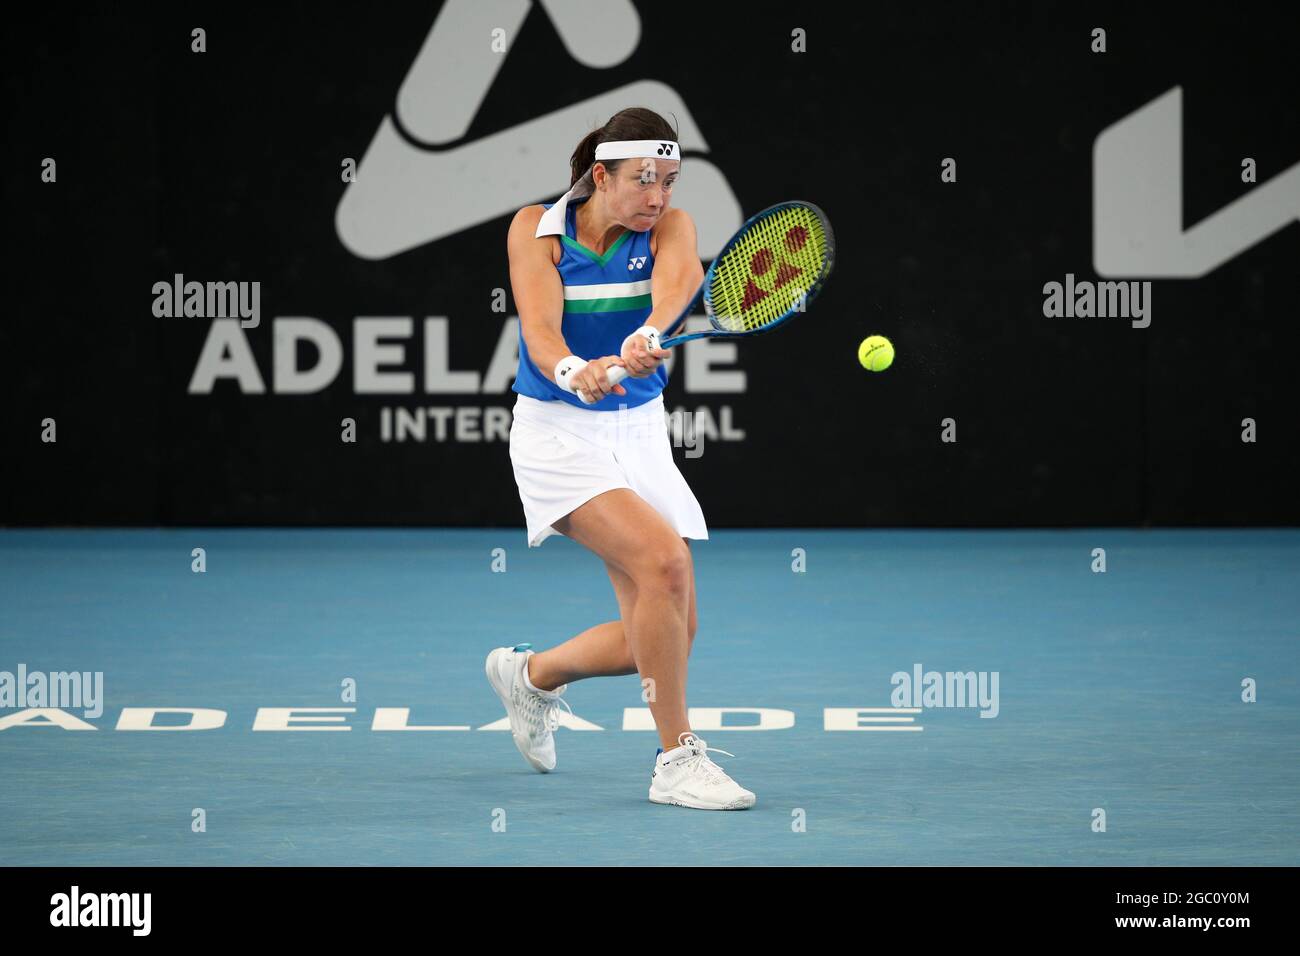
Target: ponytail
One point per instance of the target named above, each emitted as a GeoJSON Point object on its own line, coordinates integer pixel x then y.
{"type": "Point", "coordinates": [584, 156]}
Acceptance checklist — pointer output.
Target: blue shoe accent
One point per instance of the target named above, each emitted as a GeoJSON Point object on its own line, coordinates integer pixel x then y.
{"type": "Point", "coordinates": [522, 647]}
{"type": "Point", "coordinates": [659, 751]}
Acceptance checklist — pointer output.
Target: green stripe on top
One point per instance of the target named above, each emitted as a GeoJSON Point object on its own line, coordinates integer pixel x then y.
{"type": "Point", "coordinates": [607, 296]}
{"type": "Point", "coordinates": [618, 304]}
{"type": "Point", "coordinates": [579, 247]}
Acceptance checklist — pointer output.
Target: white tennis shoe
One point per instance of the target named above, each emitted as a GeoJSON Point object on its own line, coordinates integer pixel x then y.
{"type": "Point", "coordinates": [534, 715]}
{"type": "Point", "coordinates": [686, 777]}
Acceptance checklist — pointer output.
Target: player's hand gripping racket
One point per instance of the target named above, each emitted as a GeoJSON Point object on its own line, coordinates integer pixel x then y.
{"type": "Point", "coordinates": [767, 273]}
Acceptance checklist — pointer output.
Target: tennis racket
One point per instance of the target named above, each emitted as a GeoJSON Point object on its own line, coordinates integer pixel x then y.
{"type": "Point", "coordinates": [767, 273]}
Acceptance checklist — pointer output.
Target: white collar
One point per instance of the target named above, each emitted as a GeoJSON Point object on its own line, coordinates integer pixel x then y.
{"type": "Point", "coordinates": [552, 222]}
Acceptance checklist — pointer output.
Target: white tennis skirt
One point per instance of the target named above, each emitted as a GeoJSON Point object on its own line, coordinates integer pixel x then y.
{"type": "Point", "coordinates": [564, 456]}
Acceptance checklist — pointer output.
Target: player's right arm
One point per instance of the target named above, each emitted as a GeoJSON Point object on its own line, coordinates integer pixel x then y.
{"type": "Point", "coordinates": [539, 297]}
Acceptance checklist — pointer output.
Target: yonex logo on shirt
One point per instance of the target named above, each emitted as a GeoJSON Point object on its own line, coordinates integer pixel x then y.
{"type": "Point", "coordinates": [637, 262]}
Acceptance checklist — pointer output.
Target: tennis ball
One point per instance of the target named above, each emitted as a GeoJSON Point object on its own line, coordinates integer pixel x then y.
{"type": "Point", "coordinates": [876, 353]}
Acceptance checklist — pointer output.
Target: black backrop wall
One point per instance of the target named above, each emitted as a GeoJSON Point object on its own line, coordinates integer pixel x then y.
{"type": "Point", "coordinates": [225, 166]}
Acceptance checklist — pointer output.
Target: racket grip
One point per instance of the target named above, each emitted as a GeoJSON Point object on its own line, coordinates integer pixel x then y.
{"type": "Point", "coordinates": [614, 374]}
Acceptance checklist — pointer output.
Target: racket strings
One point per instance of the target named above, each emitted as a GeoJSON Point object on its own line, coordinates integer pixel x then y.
{"type": "Point", "coordinates": [773, 264]}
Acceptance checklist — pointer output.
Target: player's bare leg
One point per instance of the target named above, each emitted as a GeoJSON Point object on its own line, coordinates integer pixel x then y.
{"type": "Point", "coordinates": [603, 650]}
{"type": "Point", "coordinates": [624, 530]}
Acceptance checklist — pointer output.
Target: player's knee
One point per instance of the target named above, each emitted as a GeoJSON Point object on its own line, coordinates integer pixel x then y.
{"type": "Point", "coordinates": [667, 569]}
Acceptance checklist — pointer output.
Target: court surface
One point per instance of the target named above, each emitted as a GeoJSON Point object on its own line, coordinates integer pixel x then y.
{"type": "Point", "coordinates": [1119, 690]}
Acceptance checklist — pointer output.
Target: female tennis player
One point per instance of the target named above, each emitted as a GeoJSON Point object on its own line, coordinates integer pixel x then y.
{"type": "Point", "coordinates": [596, 275]}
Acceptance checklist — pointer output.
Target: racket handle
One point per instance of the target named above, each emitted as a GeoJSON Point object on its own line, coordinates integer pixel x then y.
{"type": "Point", "coordinates": [614, 374]}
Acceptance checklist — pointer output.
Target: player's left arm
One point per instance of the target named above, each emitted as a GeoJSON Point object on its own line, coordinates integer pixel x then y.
{"type": "Point", "coordinates": [677, 273]}
{"type": "Point", "coordinates": [676, 278]}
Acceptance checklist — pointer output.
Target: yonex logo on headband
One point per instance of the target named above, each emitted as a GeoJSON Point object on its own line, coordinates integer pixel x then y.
{"type": "Point", "coordinates": [636, 148]}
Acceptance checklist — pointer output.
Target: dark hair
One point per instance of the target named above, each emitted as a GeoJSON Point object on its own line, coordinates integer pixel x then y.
{"type": "Point", "coordinates": [635, 122]}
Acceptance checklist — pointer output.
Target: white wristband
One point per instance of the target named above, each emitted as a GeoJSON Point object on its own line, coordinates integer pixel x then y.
{"type": "Point", "coordinates": [649, 331]}
{"type": "Point", "coordinates": [565, 369]}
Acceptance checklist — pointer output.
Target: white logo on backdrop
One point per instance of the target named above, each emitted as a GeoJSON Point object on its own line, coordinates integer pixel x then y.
{"type": "Point", "coordinates": [1137, 183]}
{"type": "Point", "coordinates": [407, 195]}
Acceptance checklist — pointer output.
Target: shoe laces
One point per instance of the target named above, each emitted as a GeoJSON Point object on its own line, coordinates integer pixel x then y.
{"type": "Point", "coordinates": [698, 760]}
{"type": "Point", "coordinates": [542, 711]}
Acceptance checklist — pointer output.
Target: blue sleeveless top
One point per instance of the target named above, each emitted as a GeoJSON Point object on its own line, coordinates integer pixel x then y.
{"type": "Point", "coordinates": [606, 299]}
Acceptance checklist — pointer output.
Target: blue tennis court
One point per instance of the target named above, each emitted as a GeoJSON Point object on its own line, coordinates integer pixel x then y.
{"type": "Point", "coordinates": [1119, 692]}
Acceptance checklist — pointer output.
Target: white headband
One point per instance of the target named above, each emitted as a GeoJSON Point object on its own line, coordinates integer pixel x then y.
{"type": "Point", "coordinates": [636, 148]}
